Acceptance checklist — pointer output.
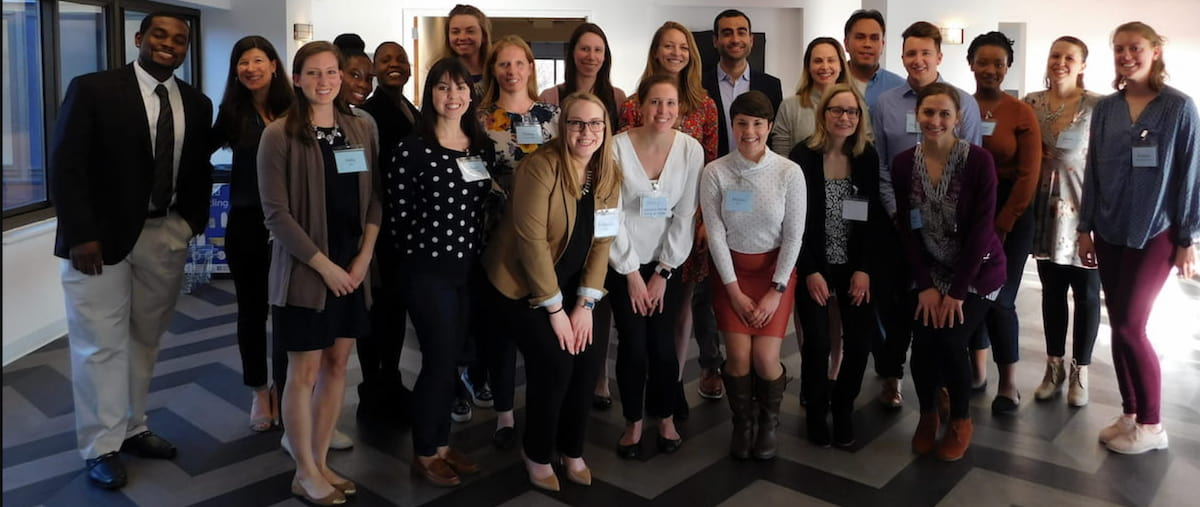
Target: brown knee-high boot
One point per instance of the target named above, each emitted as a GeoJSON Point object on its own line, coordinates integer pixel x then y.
{"type": "Point", "coordinates": [769, 395]}
{"type": "Point", "coordinates": [741, 403]}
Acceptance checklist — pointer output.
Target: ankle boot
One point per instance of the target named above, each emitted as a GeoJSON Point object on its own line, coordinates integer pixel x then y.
{"type": "Point", "coordinates": [1052, 380]}
{"type": "Point", "coordinates": [1077, 392]}
{"type": "Point", "coordinates": [768, 395]}
{"type": "Point", "coordinates": [741, 403]}
{"type": "Point", "coordinates": [816, 412]}
{"type": "Point", "coordinates": [958, 438]}
{"type": "Point", "coordinates": [926, 435]}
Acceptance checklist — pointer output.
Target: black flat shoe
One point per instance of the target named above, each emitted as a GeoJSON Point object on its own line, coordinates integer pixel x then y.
{"type": "Point", "coordinates": [504, 438]}
{"type": "Point", "coordinates": [668, 446]}
{"type": "Point", "coordinates": [601, 403]}
{"type": "Point", "coordinates": [631, 451]}
{"type": "Point", "coordinates": [107, 471]}
{"type": "Point", "coordinates": [1005, 405]}
{"type": "Point", "coordinates": [148, 445]}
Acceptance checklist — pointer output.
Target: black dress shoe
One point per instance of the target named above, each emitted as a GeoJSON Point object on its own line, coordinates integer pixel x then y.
{"type": "Point", "coordinates": [601, 403]}
{"type": "Point", "coordinates": [504, 438]}
{"type": "Point", "coordinates": [148, 445]}
{"type": "Point", "coordinates": [107, 471]}
{"type": "Point", "coordinates": [631, 451]}
{"type": "Point", "coordinates": [668, 446]}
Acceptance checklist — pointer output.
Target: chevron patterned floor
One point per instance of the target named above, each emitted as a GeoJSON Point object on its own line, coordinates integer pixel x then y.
{"type": "Point", "coordinates": [1044, 455]}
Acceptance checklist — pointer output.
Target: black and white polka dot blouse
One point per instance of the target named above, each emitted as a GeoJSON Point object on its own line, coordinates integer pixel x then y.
{"type": "Point", "coordinates": [433, 218]}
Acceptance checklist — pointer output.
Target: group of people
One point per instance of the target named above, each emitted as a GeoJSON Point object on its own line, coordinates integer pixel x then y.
{"type": "Point", "coordinates": [885, 213]}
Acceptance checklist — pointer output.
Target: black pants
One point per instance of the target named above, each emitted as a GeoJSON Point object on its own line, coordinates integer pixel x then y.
{"type": "Point", "coordinates": [704, 326]}
{"type": "Point", "coordinates": [495, 353]}
{"type": "Point", "coordinates": [859, 330]}
{"type": "Point", "coordinates": [647, 369]}
{"type": "Point", "coordinates": [248, 247]}
{"type": "Point", "coordinates": [940, 357]}
{"type": "Point", "coordinates": [1002, 330]}
{"type": "Point", "coordinates": [439, 305]}
{"type": "Point", "coordinates": [1085, 286]}
{"type": "Point", "coordinates": [891, 289]}
{"type": "Point", "coordinates": [558, 393]}
{"type": "Point", "coordinates": [379, 351]}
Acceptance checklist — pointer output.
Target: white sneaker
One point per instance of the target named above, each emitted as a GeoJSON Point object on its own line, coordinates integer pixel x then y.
{"type": "Point", "coordinates": [340, 441]}
{"type": "Point", "coordinates": [1052, 381]}
{"type": "Point", "coordinates": [1138, 441]}
{"type": "Point", "coordinates": [460, 410]}
{"type": "Point", "coordinates": [1124, 424]}
{"type": "Point", "coordinates": [1077, 390]}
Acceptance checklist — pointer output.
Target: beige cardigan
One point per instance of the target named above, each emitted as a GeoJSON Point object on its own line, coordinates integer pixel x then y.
{"type": "Point", "coordinates": [291, 182]}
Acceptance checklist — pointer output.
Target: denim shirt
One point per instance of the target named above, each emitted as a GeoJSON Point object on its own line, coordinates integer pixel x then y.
{"type": "Point", "coordinates": [1127, 205]}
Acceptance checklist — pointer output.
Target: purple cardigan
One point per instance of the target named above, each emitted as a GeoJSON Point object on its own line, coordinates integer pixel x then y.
{"type": "Point", "coordinates": [981, 258]}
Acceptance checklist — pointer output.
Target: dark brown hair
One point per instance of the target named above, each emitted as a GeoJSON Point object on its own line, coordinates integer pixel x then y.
{"type": "Point", "coordinates": [297, 121]}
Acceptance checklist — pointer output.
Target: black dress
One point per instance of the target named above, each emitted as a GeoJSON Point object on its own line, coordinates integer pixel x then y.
{"type": "Point", "coordinates": [305, 329]}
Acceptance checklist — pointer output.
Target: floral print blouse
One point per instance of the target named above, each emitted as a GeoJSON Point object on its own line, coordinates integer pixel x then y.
{"type": "Point", "coordinates": [501, 126]}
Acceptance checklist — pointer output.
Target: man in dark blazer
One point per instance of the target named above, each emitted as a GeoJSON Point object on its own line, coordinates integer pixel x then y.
{"type": "Point", "coordinates": [382, 393]}
{"type": "Point", "coordinates": [130, 178]}
{"type": "Point", "coordinates": [732, 76]}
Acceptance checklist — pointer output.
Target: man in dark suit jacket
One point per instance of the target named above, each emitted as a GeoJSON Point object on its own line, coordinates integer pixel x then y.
{"type": "Point", "coordinates": [382, 393]}
{"type": "Point", "coordinates": [130, 179]}
{"type": "Point", "coordinates": [732, 77]}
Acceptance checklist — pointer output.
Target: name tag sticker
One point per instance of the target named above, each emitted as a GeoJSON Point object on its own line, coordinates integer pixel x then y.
{"type": "Point", "coordinates": [472, 169]}
{"type": "Point", "coordinates": [654, 206]}
{"type": "Point", "coordinates": [987, 127]}
{"type": "Point", "coordinates": [608, 222]}
{"type": "Point", "coordinates": [1145, 156]}
{"type": "Point", "coordinates": [739, 200]}
{"type": "Point", "coordinates": [350, 160]}
{"type": "Point", "coordinates": [914, 219]}
{"type": "Point", "coordinates": [529, 133]}
{"type": "Point", "coordinates": [1070, 139]}
{"type": "Point", "coordinates": [910, 122]}
{"type": "Point", "coordinates": [854, 208]}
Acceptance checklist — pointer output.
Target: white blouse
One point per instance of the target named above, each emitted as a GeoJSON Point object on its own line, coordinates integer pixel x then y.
{"type": "Point", "coordinates": [667, 239]}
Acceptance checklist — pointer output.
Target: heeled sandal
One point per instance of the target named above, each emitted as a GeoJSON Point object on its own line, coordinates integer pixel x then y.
{"type": "Point", "coordinates": [263, 422]}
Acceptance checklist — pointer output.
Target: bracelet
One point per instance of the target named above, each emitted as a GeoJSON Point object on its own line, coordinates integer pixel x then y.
{"type": "Point", "coordinates": [556, 311]}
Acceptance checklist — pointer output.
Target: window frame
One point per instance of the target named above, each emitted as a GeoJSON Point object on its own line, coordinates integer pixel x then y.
{"type": "Point", "coordinates": [53, 82]}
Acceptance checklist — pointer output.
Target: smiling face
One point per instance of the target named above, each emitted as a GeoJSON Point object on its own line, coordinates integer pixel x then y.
{"type": "Point", "coordinates": [842, 115]}
{"type": "Point", "coordinates": [255, 69]}
{"type": "Point", "coordinates": [673, 52]}
{"type": "Point", "coordinates": [921, 59]}
{"type": "Point", "coordinates": [582, 143]}
{"type": "Point", "coordinates": [357, 79]}
{"type": "Point", "coordinates": [823, 66]}
{"type": "Point", "coordinates": [751, 134]}
{"type": "Point", "coordinates": [661, 107]}
{"type": "Point", "coordinates": [320, 79]}
{"type": "Point", "coordinates": [990, 65]}
{"type": "Point", "coordinates": [512, 69]}
{"type": "Point", "coordinates": [450, 98]}
{"type": "Point", "coordinates": [733, 39]}
{"type": "Point", "coordinates": [589, 55]}
{"type": "Point", "coordinates": [1134, 56]}
{"type": "Point", "coordinates": [466, 36]}
{"type": "Point", "coordinates": [937, 117]}
{"type": "Point", "coordinates": [864, 43]}
{"type": "Point", "coordinates": [163, 45]}
{"type": "Point", "coordinates": [391, 66]}
{"type": "Point", "coordinates": [1065, 63]}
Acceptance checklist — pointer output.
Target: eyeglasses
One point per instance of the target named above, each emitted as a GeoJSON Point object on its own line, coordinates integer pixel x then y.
{"type": "Point", "coordinates": [837, 112]}
{"type": "Point", "coordinates": [577, 125]}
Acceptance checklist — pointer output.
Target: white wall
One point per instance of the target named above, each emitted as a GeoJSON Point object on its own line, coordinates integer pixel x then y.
{"type": "Point", "coordinates": [33, 298]}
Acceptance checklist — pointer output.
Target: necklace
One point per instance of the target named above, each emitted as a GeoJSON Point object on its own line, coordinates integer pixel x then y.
{"type": "Point", "coordinates": [1051, 116]}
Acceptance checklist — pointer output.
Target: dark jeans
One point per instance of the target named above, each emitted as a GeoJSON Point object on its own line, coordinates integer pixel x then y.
{"type": "Point", "coordinates": [940, 358]}
{"type": "Point", "coordinates": [704, 326]}
{"type": "Point", "coordinates": [1003, 330]}
{"type": "Point", "coordinates": [496, 360]}
{"type": "Point", "coordinates": [1132, 279]}
{"type": "Point", "coordinates": [891, 291]}
{"type": "Point", "coordinates": [248, 248]}
{"type": "Point", "coordinates": [558, 392]}
{"type": "Point", "coordinates": [379, 351]}
{"type": "Point", "coordinates": [647, 369]}
{"type": "Point", "coordinates": [858, 333]}
{"type": "Point", "coordinates": [1085, 286]}
{"type": "Point", "coordinates": [438, 305]}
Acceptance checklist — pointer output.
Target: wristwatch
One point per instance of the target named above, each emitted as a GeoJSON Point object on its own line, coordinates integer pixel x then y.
{"type": "Point", "coordinates": [589, 304]}
{"type": "Point", "coordinates": [779, 287]}
{"type": "Point", "coordinates": [665, 273]}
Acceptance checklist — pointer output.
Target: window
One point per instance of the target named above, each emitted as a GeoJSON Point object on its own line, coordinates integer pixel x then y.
{"type": "Point", "coordinates": [46, 44]}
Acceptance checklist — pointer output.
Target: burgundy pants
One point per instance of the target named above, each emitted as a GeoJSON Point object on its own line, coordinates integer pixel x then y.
{"type": "Point", "coordinates": [1132, 279]}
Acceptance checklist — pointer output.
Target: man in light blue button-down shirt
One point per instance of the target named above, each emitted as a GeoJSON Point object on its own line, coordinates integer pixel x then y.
{"type": "Point", "coordinates": [864, 39]}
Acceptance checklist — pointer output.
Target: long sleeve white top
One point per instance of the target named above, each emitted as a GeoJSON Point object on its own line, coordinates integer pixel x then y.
{"type": "Point", "coordinates": [777, 207]}
{"type": "Point", "coordinates": [668, 239]}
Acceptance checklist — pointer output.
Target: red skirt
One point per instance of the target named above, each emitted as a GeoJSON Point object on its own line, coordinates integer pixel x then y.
{"type": "Point", "coordinates": [754, 272]}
